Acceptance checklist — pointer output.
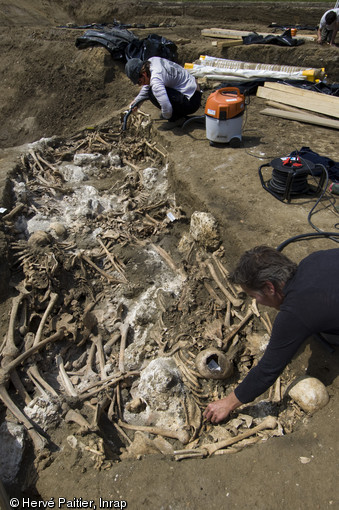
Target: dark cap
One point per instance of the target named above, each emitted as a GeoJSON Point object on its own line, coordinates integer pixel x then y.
{"type": "Point", "coordinates": [133, 68]}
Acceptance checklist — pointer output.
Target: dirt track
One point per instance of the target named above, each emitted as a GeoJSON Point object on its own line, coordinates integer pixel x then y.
{"type": "Point", "coordinates": [51, 88]}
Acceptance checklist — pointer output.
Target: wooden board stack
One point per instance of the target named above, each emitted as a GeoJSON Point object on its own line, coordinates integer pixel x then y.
{"type": "Point", "coordinates": [294, 103]}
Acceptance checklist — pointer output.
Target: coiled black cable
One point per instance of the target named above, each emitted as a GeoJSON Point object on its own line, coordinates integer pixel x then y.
{"type": "Point", "coordinates": [297, 182]}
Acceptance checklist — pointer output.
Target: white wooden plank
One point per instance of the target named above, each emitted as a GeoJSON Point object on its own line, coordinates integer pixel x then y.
{"type": "Point", "coordinates": [308, 118]}
{"type": "Point", "coordinates": [316, 105]}
{"type": "Point", "coordinates": [310, 94]}
{"type": "Point", "coordinates": [228, 33]}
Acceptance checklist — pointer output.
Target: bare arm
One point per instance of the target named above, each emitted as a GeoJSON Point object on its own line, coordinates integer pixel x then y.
{"type": "Point", "coordinates": [332, 43]}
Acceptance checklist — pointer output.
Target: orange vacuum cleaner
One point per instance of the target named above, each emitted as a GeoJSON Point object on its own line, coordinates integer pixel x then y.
{"type": "Point", "coordinates": [224, 113]}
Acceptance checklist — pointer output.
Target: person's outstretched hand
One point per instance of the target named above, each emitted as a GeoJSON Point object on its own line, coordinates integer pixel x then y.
{"type": "Point", "coordinates": [218, 410]}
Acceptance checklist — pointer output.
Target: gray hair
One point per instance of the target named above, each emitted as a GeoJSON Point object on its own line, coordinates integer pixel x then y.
{"type": "Point", "coordinates": [262, 264]}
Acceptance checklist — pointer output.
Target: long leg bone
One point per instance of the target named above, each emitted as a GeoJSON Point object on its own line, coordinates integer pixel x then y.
{"type": "Point", "coordinates": [34, 374]}
{"type": "Point", "coordinates": [122, 433]}
{"type": "Point", "coordinates": [37, 384]}
{"type": "Point", "coordinates": [124, 332]}
{"type": "Point", "coordinates": [168, 259]}
{"type": "Point", "coordinates": [239, 446]}
{"type": "Point", "coordinates": [10, 350]}
{"type": "Point", "coordinates": [9, 216]}
{"type": "Point", "coordinates": [213, 294]}
{"type": "Point", "coordinates": [64, 378]}
{"type": "Point", "coordinates": [270, 422]}
{"type": "Point", "coordinates": [118, 400]}
{"type": "Point", "coordinates": [238, 327]}
{"type": "Point", "coordinates": [38, 441]}
{"type": "Point", "coordinates": [17, 361]}
{"type": "Point", "coordinates": [182, 435]}
{"type": "Point", "coordinates": [20, 387]}
{"type": "Point", "coordinates": [114, 338]}
{"type": "Point", "coordinates": [51, 303]}
{"type": "Point", "coordinates": [228, 314]}
{"type": "Point", "coordinates": [76, 417]}
{"type": "Point", "coordinates": [101, 355]}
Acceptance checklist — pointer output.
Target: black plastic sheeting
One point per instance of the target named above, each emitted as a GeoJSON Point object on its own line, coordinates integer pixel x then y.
{"type": "Point", "coordinates": [279, 40]}
{"type": "Point", "coordinates": [115, 40]}
{"type": "Point", "coordinates": [298, 27]}
{"type": "Point", "coordinates": [124, 45]}
{"type": "Point", "coordinates": [153, 46]}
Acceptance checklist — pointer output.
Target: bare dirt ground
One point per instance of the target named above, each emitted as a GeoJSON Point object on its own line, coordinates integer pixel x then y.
{"type": "Point", "coordinates": [50, 88]}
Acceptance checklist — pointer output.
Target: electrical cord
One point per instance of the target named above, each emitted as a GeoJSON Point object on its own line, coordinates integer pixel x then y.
{"type": "Point", "coordinates": [319, 234]}
{"type": "Point", "coordinates": [307, 237]}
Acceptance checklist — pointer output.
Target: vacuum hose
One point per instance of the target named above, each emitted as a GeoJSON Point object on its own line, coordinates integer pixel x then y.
{"type": "Point", "coordinates": [128, 113]}
{"type": "Point", "coordinates": [124, 124]}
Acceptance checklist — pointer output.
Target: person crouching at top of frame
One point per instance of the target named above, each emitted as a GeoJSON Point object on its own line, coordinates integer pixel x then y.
{"type": "Point", "coordinates": [169, 86]}
{"type": "Point", "coordinates": [328, 27]}
{"type": "Point", "coordinates": [307, 297]}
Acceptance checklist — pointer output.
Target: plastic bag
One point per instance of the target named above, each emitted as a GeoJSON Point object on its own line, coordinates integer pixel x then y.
{"type": "Point", "coordinates": [153, 46]}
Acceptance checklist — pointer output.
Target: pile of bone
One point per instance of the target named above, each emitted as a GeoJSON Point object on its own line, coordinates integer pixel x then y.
{"type": "Point", "coordinates": [115, 319]}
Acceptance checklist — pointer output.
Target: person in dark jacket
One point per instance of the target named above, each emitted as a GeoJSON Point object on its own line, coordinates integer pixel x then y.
{"type": "Point", "coordinates": [307, 297]}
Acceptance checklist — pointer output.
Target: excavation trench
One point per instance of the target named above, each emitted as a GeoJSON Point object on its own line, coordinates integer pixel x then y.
{"type": "Point", "coordinates": [131, 288]}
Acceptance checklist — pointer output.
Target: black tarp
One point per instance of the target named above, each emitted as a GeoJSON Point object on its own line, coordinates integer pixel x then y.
{"type": "Point", "coordinates": [115, 40]}
{"type": "Point", "coordinates": [124, 45]}
{"type": "Point", "coordinates": [152, 46]}
{"type": "Point", "coordinates": [279, 40]}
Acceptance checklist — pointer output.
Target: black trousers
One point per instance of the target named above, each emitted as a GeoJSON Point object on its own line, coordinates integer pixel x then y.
{"type": "Point", "coordinates": [180, 104]}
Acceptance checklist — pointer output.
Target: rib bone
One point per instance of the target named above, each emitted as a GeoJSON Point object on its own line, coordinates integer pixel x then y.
{"type": "Point", "coordinates": [235, 301]}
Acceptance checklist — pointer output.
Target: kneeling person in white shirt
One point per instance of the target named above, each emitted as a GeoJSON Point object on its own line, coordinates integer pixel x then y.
{"type": "Point", "coordinates": [170, 87]}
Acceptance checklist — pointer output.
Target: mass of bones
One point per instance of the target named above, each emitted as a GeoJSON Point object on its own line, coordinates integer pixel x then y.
{"type": "Point", "coordinates": [122, 330]}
